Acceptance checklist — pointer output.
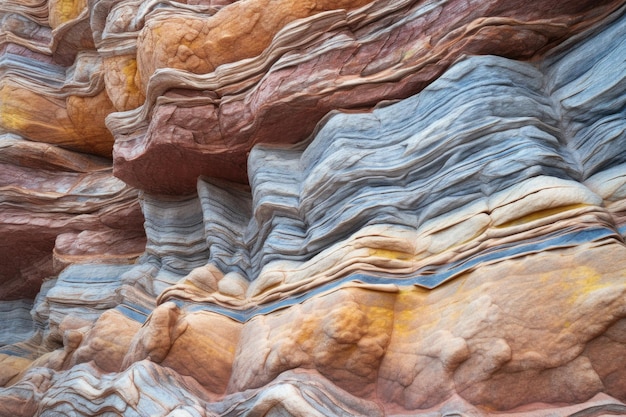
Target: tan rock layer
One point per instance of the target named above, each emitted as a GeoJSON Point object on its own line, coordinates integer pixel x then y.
{"type": "Point", "coordinates": [489, 337]}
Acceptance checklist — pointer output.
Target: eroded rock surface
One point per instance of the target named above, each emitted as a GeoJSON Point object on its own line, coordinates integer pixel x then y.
{"type": "Point", "coordinates": [223, 208]}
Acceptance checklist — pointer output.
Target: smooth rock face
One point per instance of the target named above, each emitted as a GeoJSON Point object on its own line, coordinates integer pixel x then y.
{"type": "Point", "coordinates": [312, 208]}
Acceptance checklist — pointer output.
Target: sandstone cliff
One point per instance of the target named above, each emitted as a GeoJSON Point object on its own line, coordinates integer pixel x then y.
{"type": "Point", "coordinates": [312, 208]}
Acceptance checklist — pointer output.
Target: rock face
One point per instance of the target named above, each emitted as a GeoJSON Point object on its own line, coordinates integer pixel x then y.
{"type": "Point", "coordinates": [369, 208]}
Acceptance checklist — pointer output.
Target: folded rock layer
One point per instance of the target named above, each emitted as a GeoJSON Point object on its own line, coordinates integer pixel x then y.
{"type": "Point", "coordinates": [58, 207]}
{"type": "Point", "coordinates": [312, 208]}
{"type": "Point", "coordinates": [349, 59]}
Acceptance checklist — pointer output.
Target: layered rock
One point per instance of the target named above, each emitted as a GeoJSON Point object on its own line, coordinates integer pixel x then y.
{"type": "Point", "coordinates": [59, 207]}
{"type": "Point", "coordinates": [362, 209]}
{"type": "Point", "coordinates": [349, 59]}
{"type": "Point", "coordinates": [58, 192]}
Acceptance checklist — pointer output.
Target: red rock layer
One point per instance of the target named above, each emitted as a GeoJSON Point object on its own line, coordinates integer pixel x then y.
{"type": "Point", "coordinates": [58, 207]}
{"type": "Point", "coordinates": [205, 125]}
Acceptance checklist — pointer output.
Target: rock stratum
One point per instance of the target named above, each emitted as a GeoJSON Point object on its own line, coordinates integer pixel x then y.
{"type": "Point", "coordinates": [312, 208]}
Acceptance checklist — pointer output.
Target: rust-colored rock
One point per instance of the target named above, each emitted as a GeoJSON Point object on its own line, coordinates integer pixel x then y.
{"type": "Point", "coordinates": [60, 207]}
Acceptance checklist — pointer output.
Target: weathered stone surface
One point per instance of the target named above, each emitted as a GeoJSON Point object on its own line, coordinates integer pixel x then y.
{"type": "Point", "coordinates": [50, 103]}
{"type": "Point", "coordinates": [526, 347]}
{"type": "Point", "coordinates": [59, 207]}
{"type": "Point", "coordinates": [382, 51]}
{"type": "Point", "coordinates": [348, 208]}
{"type": "Point", "coordinates": [343, 336]}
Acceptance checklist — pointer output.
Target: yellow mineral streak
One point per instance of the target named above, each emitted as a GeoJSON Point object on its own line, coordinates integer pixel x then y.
{"type": "Point", "coordinates": [122, 82]}
{"type": "Point", "coordinates": [541, 214]}
{"type": "Point", "coordinates": [76, 123]}
{"type": "Point", "coordinates": [11, 367]}
{"type": "Point", "coordinates": [62, 11]}
{"type": "Point", "coordinates": [391, 254]}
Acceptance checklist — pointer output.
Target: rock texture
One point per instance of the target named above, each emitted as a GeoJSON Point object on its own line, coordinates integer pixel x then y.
{"type": "Point", "coordinates": [369, 208]}
{"type": "Point", "coordinates": [59, 207]}
{"type": "Point", "coordinates": [348, 59]}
